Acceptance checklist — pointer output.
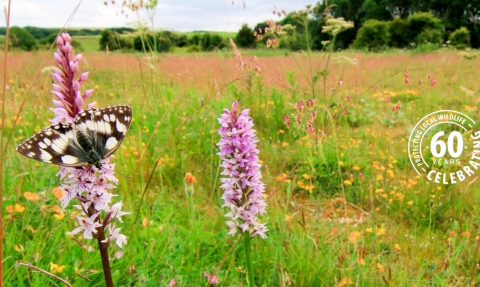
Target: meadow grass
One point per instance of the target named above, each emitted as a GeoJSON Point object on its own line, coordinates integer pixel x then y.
{"type": "Point", "coordinates": [415, 234]}
{"type": "Point", "coordinates": [89, 43]}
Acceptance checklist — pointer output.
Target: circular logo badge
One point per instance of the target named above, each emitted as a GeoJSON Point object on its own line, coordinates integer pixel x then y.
{"type": "Point", "coordinates": [444, 148]}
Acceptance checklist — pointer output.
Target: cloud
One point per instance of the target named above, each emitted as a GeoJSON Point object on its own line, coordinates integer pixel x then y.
{"type": "Point", "coordinates": [186, 15]}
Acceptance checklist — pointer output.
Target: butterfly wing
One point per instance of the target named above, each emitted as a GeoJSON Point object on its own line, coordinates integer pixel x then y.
{"type": "Point", "coordinates": [56, 144]}
{"type": "Point", "coordinates": [106, 127]}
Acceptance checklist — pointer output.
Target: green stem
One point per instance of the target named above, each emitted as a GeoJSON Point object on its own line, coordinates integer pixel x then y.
{"type": "Point", "coordinates": [251, 277]}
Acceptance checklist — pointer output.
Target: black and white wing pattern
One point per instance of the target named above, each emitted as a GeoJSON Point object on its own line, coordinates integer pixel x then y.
{"type": "Point", "coordinates": [102, 130]}
{"type": "Point", "coordinates": [56, 144]}
{"type": "Point", "coordinates": [106, 127]}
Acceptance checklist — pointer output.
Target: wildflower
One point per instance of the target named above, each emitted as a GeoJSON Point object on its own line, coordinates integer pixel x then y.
{"type": "Point", "coordinates": [433, 83]}
{"type": "Point", "coordinates": [380, 268]}
{"type": "Point", "coordinates": [286, 121]}
{"type": "Point", "coordinates": [114, 234]}
{"type": "Point", "coordinates": [212, 279]}
{"type": "Point", "coordinates": [54, 268]}
{"type": "Point", "coordinates": [257, 70]}
{"type": "Point", "coordinates": [18, 248]}
{"type": "Point", "coordinates": [387, 101]}
{"type": "Point", "coordinates": [311, 104]}
{"type": "Point", "coordinates": [19, 208]}
{"type": "Point", "coordinates": [88, 225]}
{"type": "Point", "coordinates": [190, 179]}
{"type": "Point", "coordinates": [272, 43]}
{"type": "Point", "coordinates": [345, 112]}
{"type": "Point", "coordinates": [172, 283]}
{"type": "Point", "coordinates": [311, 130]}
{"type": "Point", "coordinates": [115, 211]}
{"type": "Point", "coordinates": [429, 76]}
{"type": "Point", "coordinates": [299, 107]}
{"type": "Point", "coordinates": [243, 188]}
{"type": "Point", "coordinates": [353, 236]}
{"type": "Point", "coordinates": [340, 83]}
{"type": "Point", "coordinates": [67, 90]}
{"type": "Point", "coordinates": [419, 81]}
{"type": "Point", "coordinates": [31, 196]}
{"type": "Point", "coordinates": [360, 175]}
{"type": "Point", "coordinates": [336, 25]}
{"type": "Point", "coordinates": [298, 119]}
{"type": "Point", "coordinates": [351, 177]}
{"type": "Point", "coordinates": [405, 74]}
{"type": "Point", "coordinates": [356, 90]}
{"type": "Point", "coordinates": [349, 98]}
{"type": "Point", "coordinates": [371, 181]}
{"type": "Point", "coordinates": [408, 81]}
{"type": "Point", "coordinates": [332, 90]}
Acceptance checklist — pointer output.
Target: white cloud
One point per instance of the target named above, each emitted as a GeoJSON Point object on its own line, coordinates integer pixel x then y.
{"type": "Point", "coordinates": [187, 15]}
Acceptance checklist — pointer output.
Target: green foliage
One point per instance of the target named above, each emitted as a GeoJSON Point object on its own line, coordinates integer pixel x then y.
{"type": "Point", "coordinates": [22, 39]}
{"type": "Point", "coordinates": [460, 38]}
{"type": "Point", "coordinates": [40, 33]}
{"type": "Point", "coordinates": [376, 10]}
{"type": "Point", "coordinates": [210, 42]}
{"type": "Point", "coordinates": [245, 37]}
{"type": "Point", "coordinates": [147, 42]}
{"type": "Point", "coordinates": [110, 39]}
{"type": "Point", "coordinates": [399, 33]}
{"type": "Point", "coordinates": [427, 36]}
{"type": "Point", "coordinates": [424, 27]}
{"type": "Point", "coordinates": [374, 35]}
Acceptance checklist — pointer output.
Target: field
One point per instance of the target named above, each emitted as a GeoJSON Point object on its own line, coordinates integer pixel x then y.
{"type": "Point", "coordinates": [326, 228]}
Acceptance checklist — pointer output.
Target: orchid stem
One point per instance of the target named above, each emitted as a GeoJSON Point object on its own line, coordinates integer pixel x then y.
{"type": "Point", "coordinates": [107, 272]}
{"type": "Point", "coordinates": [251, 277]}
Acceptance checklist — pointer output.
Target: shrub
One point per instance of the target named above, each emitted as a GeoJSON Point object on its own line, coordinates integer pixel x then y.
{"type": "Point", "coordinates": [399, 33]}
{"type": "Point", "coordinates": [210, 41]}
{"type": "Point", "coordinates": [147, 42]}
{"type": "Point", "coordinates": [245, 37]}
{"type": "Point", "coordinates": [460, 38]}
{"type": "Point", "coordinates": [374, 35]}
{"type": "Point", "coordinates": [427, 36]}
{"type": "Point", "coordinates": [22, 39]}
{"type": "Point", "coordinates": [110, 39]}
{"type": "Point", "coordinates": [419, 23]}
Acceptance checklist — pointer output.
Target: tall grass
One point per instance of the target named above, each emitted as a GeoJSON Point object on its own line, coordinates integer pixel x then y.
{"type": "Point", "coordinates": [423, 236]}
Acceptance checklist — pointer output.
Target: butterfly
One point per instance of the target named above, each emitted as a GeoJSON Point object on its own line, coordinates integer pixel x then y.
{"type": "Point", "coordinates": [94, 135]}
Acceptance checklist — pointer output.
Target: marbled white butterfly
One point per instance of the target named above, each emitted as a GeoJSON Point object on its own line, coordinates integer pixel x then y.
{"type": "Point", "coordinates": [95, 135]}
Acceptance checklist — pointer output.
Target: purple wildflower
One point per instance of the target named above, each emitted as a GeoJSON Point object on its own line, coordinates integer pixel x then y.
{"type": "Point", "coordinates": [67, 89]}
{"type": "Point", "coordinates": [89, 185]}
{"type": "Point", "coordinates": [243, 188]}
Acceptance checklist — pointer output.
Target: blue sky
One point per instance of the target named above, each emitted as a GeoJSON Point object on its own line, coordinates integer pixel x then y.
{"type": "Point", "coordinates": [178, 15]}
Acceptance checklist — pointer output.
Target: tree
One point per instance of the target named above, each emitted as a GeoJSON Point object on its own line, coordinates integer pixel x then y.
{"type": "Point", "coordinates": [110, 39]}
{"type": "Point", "coordinates": [245, 37]}
{"type": "Point", "coordinates": [21, 38]}
{"type": "Point", "coordinates": [374, 35]}
{"type": "Point", "coordinates": [210, 41]}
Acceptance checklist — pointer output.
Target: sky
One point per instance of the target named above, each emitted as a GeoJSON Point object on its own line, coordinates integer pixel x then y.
{"type": "Point", "coordinates": [175, 15]}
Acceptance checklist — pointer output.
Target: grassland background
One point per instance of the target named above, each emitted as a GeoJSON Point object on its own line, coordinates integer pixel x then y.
{"type": "Point", "coordinates": [418, 234]}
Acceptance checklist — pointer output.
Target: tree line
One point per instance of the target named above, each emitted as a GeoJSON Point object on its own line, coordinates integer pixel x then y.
{"type": "Point", "coordinates": [377, 25]}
